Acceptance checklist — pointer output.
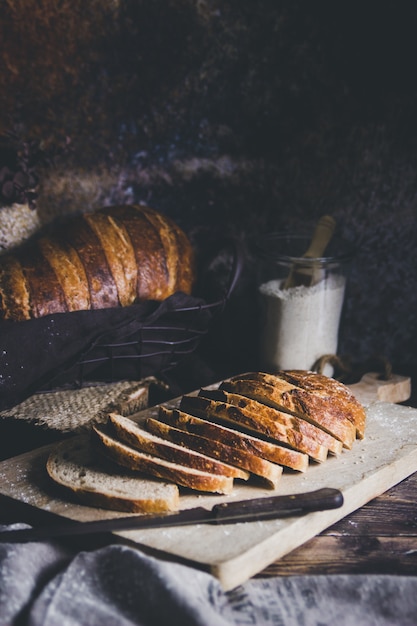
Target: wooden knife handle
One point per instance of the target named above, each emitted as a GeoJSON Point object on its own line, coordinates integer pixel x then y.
{"type": "Point", "coordinates": [278, 506]}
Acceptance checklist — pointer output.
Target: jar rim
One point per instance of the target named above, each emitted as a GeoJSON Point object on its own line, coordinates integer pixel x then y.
{"type": "Point", "coordinates": [276, 247]}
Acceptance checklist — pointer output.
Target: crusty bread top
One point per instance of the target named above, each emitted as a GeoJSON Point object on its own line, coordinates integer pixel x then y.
{"type": "Point", "coordinates": [327, 412]}
{"type": "Point", "coordinates": [257, 465]}
{"type": "Point", "coordinates": [112, 257]}
{"type": "Point", "coordinates": [235, 438]}
{"type": "Point", "coordinates": [327, 386]}
{"type": "Point", "coordinates": [267, 413]}
{"type": "Point", "coordinates": [204, 407]}
{"type": "Point", "coordinates": [73, 465]}
{"type": "Point", "coordinates": [148, 464]}
{"type": "Point", "coordinates": [131, 433]}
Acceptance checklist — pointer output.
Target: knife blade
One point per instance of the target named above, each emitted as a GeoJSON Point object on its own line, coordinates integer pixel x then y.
{"type": "Point", "coordinates": [225, 513]}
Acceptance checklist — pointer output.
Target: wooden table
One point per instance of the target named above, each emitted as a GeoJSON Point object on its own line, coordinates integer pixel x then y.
{"type": "Point", "coordinates": [379, 538]}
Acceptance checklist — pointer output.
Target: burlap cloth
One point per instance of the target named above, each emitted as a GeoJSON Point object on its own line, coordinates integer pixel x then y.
{"type": "Point", "coordinates": [74, 410]}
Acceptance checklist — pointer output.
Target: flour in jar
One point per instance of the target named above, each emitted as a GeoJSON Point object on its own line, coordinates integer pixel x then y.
{"type": "Point", "coordinates": [300, 324]}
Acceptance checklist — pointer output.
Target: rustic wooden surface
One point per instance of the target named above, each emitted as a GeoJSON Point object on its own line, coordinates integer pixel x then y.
{"type": "Point", "coordinates": [381, 537]}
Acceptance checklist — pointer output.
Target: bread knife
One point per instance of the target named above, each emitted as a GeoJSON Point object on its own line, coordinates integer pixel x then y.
{"type": "Point", "coordinates": [258, 509]}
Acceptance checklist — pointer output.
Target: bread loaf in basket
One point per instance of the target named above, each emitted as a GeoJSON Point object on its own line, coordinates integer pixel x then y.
{"type": "Point", "coordinates": [113, 257]}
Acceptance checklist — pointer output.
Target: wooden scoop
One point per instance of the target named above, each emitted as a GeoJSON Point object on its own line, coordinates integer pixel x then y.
{"type": "Point", "coordinates": [309, 275]}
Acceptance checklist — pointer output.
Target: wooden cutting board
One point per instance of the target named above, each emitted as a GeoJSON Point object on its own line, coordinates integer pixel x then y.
{"type": "Point", "coordinates": [234, 553]}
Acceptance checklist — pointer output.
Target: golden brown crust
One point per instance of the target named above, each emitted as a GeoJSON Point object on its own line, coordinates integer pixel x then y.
{"type": "Point", "coordinates": [69, 271]}
{"type": "Point", "coordinates": [269, 413]}
{"type": "Point", "coordinates": [150, 507]}
{"type": "Point", "coordinates": [119, 254]}
{"type": "Point", "coordinates": [45, 292]}
{"type": "Point", "coordinates": [254, 464]}
{"type": "Point", "coordinates": [81, 237]}
{"type": "Point", "coordinates": [112, 257]}
{"type": "Point", "coordinates": [14, 294]}
{"type": "Point", "coordinates": [234, 438]}
{"type": "Point", "coordinates": [326, 386]}
{"type": "Point", "coordinates": [149, 253]}
{"type": "Point", "coordinates": [324, 411]}
{"type": "Point", "coordinates": [168, 241]}
{"type": "Point", "coordinates": [258, 424]}
{"type": "Point", "coordinates": [139, 461]}
{"type": "Point", "coordinates": [136, 437]}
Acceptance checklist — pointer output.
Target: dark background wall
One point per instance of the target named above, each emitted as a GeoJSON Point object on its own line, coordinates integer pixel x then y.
{"type": "Point", "coordinates": [241, 117]}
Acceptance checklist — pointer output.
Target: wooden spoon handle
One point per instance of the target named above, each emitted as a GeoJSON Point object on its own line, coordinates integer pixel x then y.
{"type": "Point", "coordinates": [322, 234]}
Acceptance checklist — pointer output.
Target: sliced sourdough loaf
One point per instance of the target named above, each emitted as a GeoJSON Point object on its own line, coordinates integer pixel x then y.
{"type": "Point", "coordinates": [126, 456]}
{"type": "Point", "coordinates": [325, 412]}
{"type": "Point", "coordinates": [206, 408]}
{"type": "Point", "coordinates": [235, 438]}
{"type": "Point", "coordinates": [131, 433]}
{"type": "Point", "coordinates": [263, 411]}
{"type": "Point", "coordinates": [270, 472]}
{"type": "Point", "coordinates": [72, 464]}
{"type": "Point", "coordinates": [325, 386]}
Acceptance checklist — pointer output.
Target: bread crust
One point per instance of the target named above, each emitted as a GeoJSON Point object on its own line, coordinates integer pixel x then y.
{"type": "Point", "coordinates": [69, 272]}
{"type": "Point", "coordinates": [323, 411]}
{"type": "Point", "coordinates": [126, 456]}
{"type": "Point", "coordinates": [14, 293]}
{"type": "Point", "coordinates": [234, 438]}
{"type": "Point", "coordinates": [129, 432]}
{"type": "Point", "coordinates": [152, 277]}
{"type": "Point", "coordinates": [287, 420]}
{"type": "Point", "coordinates": [113, 257]}
{"type": "Point", "coordinates": [254, 464]}
{"type": "Point", "coordinates": [212, 409]}
{"type": "Point", "coordinates": [326, 386]}
{"type": "Point", "coordinates": [119, 253]}
{"type": "Point", "coordinates": [102, 287]}
{"type": "Point", "coordinates": [45, 293]}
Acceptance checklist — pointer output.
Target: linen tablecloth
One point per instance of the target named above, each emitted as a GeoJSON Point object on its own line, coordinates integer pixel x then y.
{"type": "Point", "coordinates": [47, 584]}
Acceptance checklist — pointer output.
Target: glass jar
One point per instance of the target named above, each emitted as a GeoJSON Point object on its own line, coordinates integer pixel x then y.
{"type": "Point", "coordinates": [300, 301]}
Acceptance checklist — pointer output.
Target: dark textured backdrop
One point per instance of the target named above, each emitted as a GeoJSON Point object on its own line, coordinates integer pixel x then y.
{"type": "Point", "coordinates": [238, 116]}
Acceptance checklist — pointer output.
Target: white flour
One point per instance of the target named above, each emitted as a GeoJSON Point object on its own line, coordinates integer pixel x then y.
{"type": "Point", "coordinates": [300, 324]}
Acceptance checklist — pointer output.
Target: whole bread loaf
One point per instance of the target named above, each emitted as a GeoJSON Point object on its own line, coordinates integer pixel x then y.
{"type": "Point", "coordinates": [113, 257]}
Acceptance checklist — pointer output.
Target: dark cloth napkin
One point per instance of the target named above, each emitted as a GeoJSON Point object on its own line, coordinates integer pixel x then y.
{"type": "Point", "coordinates": [45, 352]}
{"type": "Point", "coordinates": [43, 584]}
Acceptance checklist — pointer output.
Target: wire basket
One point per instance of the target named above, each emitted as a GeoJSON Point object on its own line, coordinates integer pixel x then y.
{"type": "Point", "coordinates": [153, 349]}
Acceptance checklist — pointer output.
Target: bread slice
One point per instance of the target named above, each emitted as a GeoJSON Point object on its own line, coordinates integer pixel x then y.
{"type": "Point", "coordinates": [271, 472]}
{"type": "Point", "coordinates": [72, 464]}
{"type": "Point", "coordinates": [235, 438]}
{"type": "Point", "coordinates": [126, 456]}
{"type": "Point", "coordinates": [131, 433]}
{"type": "Point", "coordinates": [255, 423]}
{"type": "Point", "coordinates": [262, 411]}
{"type": "Point", "coordinates": [326, 386]}
{"type": "Point", "coordinates": [325, 412]}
